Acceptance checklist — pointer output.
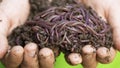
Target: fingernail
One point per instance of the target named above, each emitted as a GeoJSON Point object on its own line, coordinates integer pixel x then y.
{"type": "Point", "coordinates": [33, 53]}
{"type": "Point", "coordinates": [31, 49]}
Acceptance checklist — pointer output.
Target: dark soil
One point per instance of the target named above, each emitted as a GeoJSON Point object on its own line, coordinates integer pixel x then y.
{"type": "Point", "coordinates": [67, 28]}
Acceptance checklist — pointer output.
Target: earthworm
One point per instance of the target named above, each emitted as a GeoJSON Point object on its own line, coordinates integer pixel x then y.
{"type": "Point", "coordinates": [68, 27]}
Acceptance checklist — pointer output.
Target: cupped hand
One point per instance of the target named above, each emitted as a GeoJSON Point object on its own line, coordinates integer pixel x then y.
{"type": "Point", "coordinates": [30, 57]}
{"type": "Point", "coordinates": [12, 14]}
{"type": "Point", "coordinates": [110, 12]}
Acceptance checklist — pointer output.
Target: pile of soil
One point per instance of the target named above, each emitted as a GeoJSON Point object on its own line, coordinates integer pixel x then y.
{"type": "Point", "coordinates": [67, 28]}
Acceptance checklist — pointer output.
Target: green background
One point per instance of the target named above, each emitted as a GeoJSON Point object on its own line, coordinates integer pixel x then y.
{"type": "Point", "coordinates": [60, 63]}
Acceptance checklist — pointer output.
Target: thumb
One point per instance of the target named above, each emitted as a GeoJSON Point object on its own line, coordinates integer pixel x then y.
{"type": "Point", "coordinates": [16, 10]}
{"type": "Point", "coordinates": [3, 46]}
{"type": "Point", "coordinates": [4, 26]}
{"type": "Point", "coordinates": [114, 20]}
{"type": "Point", "coordinates": [12, 14]}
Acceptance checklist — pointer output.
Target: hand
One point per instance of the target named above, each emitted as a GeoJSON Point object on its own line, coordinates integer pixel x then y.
{"type": "Point", "coordinates": [14, 13]}
{"type": "Point", "coordinates": [109, 10]}
{"type": "Point", "coordinates": [88, 55]}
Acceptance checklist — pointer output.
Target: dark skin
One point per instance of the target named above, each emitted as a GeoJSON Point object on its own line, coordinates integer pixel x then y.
{"type": "Point", "coordinates": [12, 17]}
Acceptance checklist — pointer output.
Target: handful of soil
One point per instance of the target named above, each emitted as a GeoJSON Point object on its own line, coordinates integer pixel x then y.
{"type": "Point", "coordinates": [66, 28]}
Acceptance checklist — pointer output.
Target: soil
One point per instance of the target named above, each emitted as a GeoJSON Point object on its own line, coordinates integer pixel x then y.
{"type": "Point", "coordinates": [67, 28]}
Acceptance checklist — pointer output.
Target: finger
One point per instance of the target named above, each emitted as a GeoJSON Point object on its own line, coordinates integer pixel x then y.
{"type": "Point", "coordinates": [114, 19]}
{"type": "Point", "coordinates": [30, 56]}
{"type": "Point", "coordinates": [4, 59]}
{"type": "Point", "coordinates": [73, 58]}
{"type": "Point", "coordinates": [105, 55]}
{"type": "Point", "coordinates": [46, 58]}
{"type": "Point", "coordinates": [3, 46]}
{"type": "Point", "coordinates": [15, 57]}
{"type": "Point", "coordinates": [4, 24]}
{"type": "Point", "coordinates": [89, 57]}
